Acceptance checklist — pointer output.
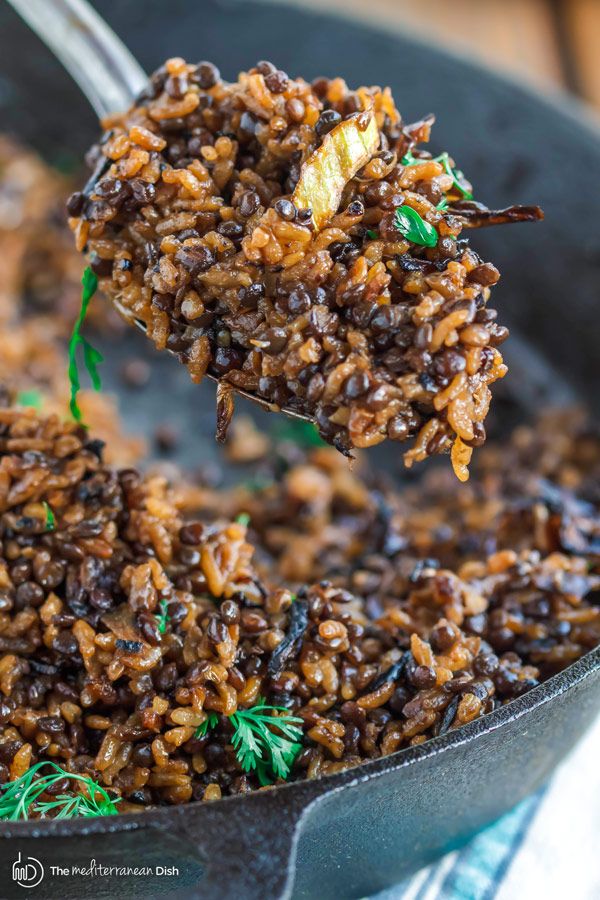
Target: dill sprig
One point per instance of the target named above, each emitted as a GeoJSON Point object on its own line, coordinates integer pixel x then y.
{"type": "Point", "coordinates": [261, 748]}
{"type": "Point", "coordinates": [211, 721]}
{"type": "Point", "coordinates": [264, 743]}
{"type": "Point", "coordinates": [21, 797]}
{"type": "Point", "coordinates": [91, 356]}
{"type": "Point", "coordinates": [50, 517]}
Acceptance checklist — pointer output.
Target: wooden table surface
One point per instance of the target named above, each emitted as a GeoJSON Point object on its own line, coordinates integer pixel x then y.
{"type": "Point", "coordinates": [548, 42]}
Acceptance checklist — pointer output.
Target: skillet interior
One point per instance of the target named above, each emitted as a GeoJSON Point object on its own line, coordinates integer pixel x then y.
{"type": "Point", "coordinates": [515, 147]}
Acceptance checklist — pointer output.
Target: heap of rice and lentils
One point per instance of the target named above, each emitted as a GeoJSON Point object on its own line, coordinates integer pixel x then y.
{"type": "Point", "coordinates": [132, 631]}
{"type": "Point", "coordinates": [294, 241]}
{"type": "Point", "coordinates": [140, 614]}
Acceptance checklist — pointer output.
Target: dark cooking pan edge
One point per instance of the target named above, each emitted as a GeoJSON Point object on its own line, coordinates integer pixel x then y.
{"type": "Point", "coordinates": [258, 834]}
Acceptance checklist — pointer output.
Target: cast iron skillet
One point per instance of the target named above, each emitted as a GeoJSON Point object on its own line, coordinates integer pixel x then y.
{"type": "Point", "coordinates": [350, 834]}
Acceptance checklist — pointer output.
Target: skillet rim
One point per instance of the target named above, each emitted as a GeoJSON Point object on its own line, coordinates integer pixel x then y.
{"type": "Point", "coordinates": [305, 791]}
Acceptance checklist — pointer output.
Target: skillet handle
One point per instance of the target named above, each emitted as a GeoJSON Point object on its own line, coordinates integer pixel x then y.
{"type": "Point", "coordinates": [246, 847]}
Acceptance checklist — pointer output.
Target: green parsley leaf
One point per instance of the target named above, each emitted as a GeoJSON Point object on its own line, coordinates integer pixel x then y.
{"type": "Point", "coordinates": [91, 356]}
{"type": "Point", "coordinates": [31, 398]}
{"type": "Point", "coordinates": [50, 517]}
{"type": "Point", "coordinates": [211, 721]}
{"type": "Point", "coordinates": [410, 224]}
{"type": "Point", "coordinates": [163, 617]}
{"type": "Point", "coordinates": [460, 182]}
{"type": "Point", "coordinates": [458, 179]}
{"type": "Point", "coordinates": [243, 519]}
{"type": "Point", "coordinates": [19, 798]}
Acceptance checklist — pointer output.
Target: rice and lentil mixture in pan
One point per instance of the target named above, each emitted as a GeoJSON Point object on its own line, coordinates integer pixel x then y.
{"type": "Point", "coordinates": [146, 645]}
{"type": "Point", "coordinates": [164, 639]}
{"type": "Point", "coordinates": [40, 295]}
{"type": "Point", "coordinates": [293, 241]}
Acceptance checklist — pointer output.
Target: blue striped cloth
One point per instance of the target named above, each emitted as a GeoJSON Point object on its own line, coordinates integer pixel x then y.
{"type": "Point", "coordinates": [545, 847]}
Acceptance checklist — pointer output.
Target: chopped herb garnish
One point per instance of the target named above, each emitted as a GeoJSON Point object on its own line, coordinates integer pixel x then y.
{"type": "Point", "coordinates": [443, 204]}
{"type": "Point", "coordinates": [414, 228]}
{"type": "Point", "coordinates": [50, 517]}
{"type": "Point", "coordinates": [243, 519]}
{"type": "Point", "coordinates": [303, 434]}
{"type": "Point", "coordinates": [31, 398]}
{"type": "Point", "coordinates": [163, 617]}
{"type": "Point", "coordinates": [372, 234]}
{"type": "Point", "coordinates": [211, 721]}
{"type": "Point", "coordinates": [91, 356]}
{"type": "Point", "coordinates": [409, 160]}
{"type": "Point", "coordinates": [259, 748]}
{"type": "Point", "coordinates": [19, 798]}
{"type": "Point", "coordinates": [460, 182]}
{"type": "Point", "coordinates": [458, 179]}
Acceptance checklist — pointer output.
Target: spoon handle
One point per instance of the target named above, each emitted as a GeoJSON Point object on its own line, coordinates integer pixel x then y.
{"type": "Point", "coordinates": [95, 57]}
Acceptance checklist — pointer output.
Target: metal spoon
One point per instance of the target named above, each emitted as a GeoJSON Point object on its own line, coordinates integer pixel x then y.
{"type": "Point", "coordinates": [110, 77]}
{"type": "Point", "coordinates": [97, 60]}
